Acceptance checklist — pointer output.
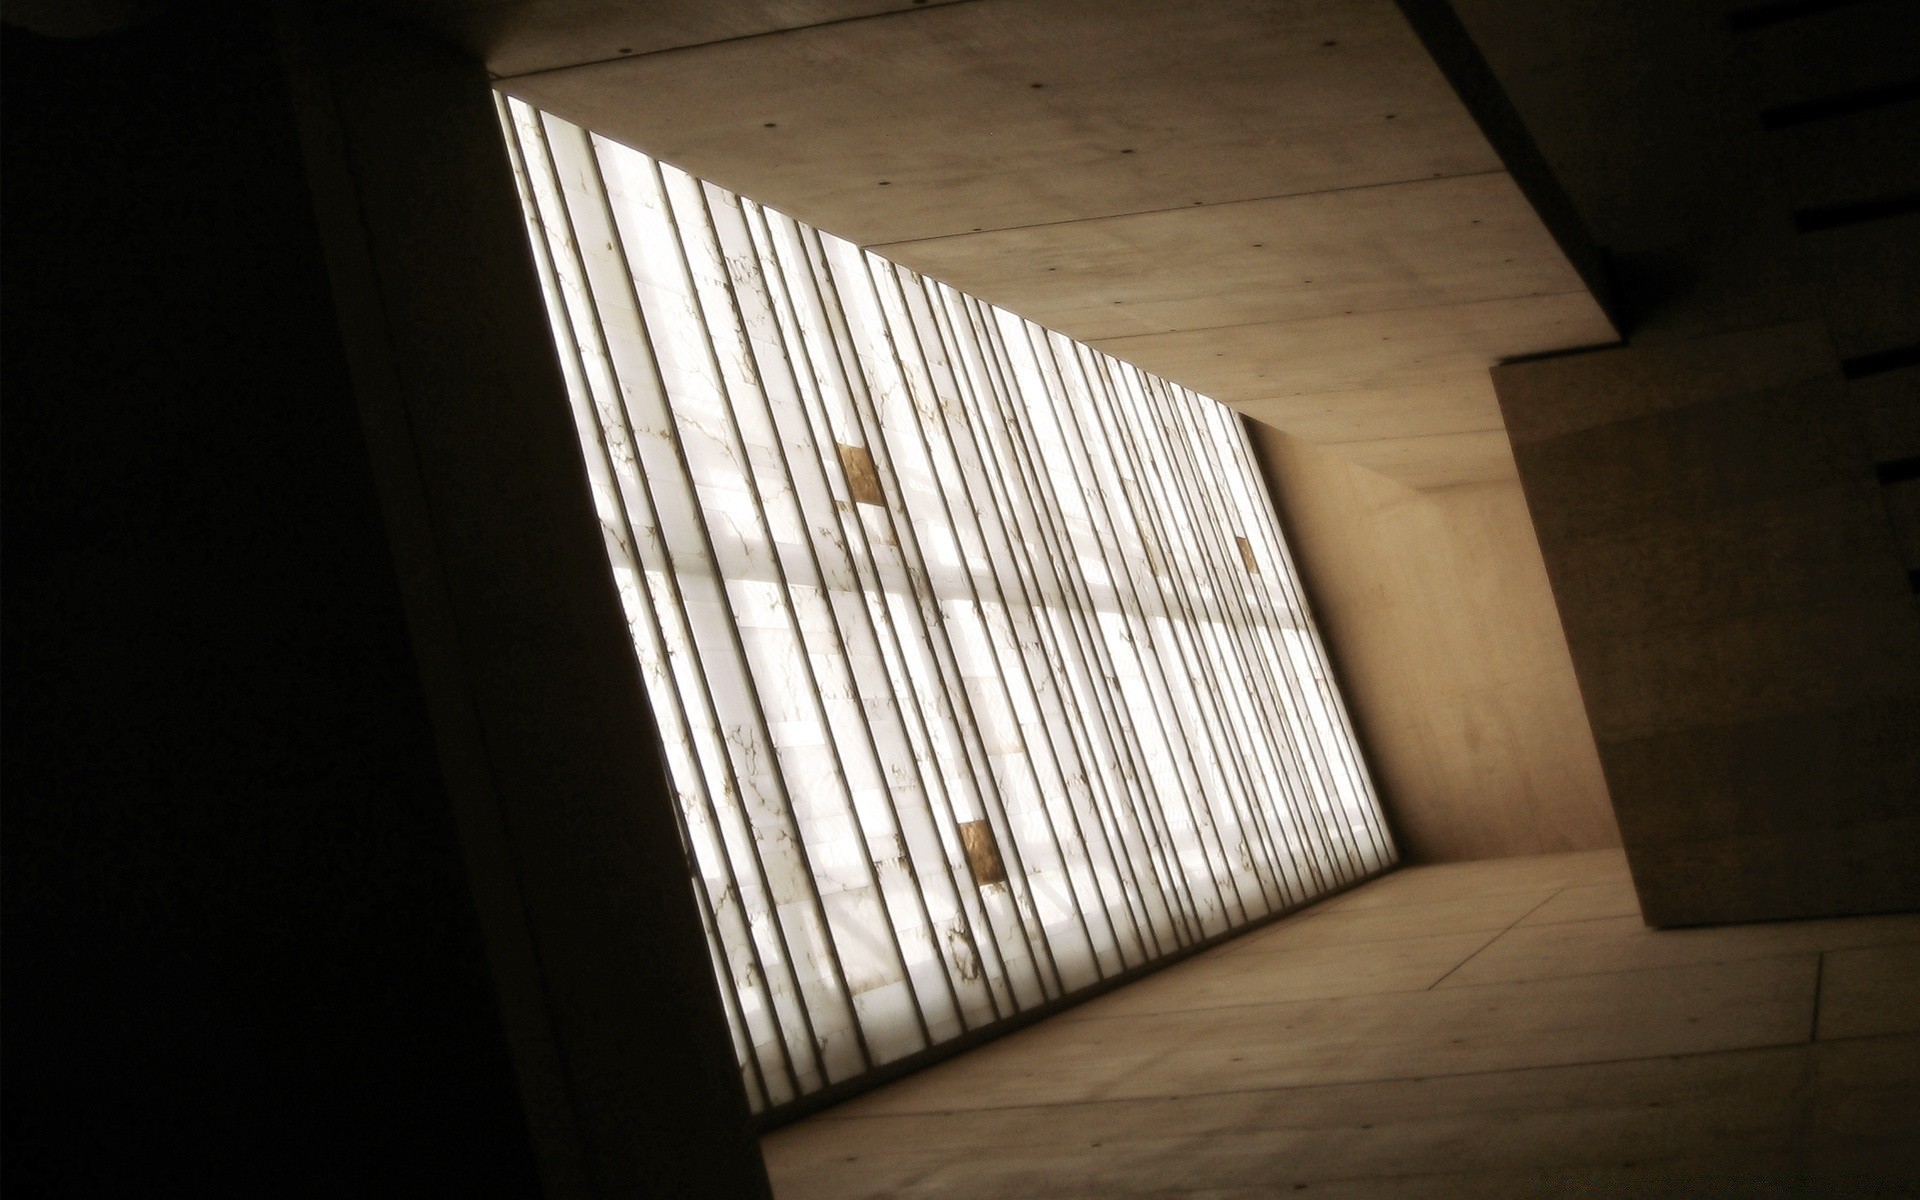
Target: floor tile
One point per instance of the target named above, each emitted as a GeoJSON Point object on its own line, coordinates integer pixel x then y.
{"type": "Point", "coordinates": [1486, 877]}
{"type": "Point", "coordinates": [1558, 1127]}
{"type": "Point", "coordinates": [1626, 944]}
{"type": "Point", "coordinates": [1483, 1030]}
{"type": "Point", "coordinates": [1870, 990]}
{"type": "Point", "coordinates": [1284, 972]}
{"type": "Point", "coordinates": [1589, 902]}
{"type": "Point", "coordinates": [1357, 926]}
{"type": "Point", "coordinates": [1587, 1018]}
{"type": "Point", "coordinates": [1866, 1109]}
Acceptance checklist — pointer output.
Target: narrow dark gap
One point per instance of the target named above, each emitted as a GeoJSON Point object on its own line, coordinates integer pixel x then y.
{"type": "Point", "coordinates": [1819, 984]}
{"type": "Point", "coordinates": [1841, 104]}
{"type": "Point", "coordinates": [1899, 470]}
{"type": "Point", "coordinates": [1860, 366]}
{"type": "Point", "coordinates": [1762, 15]}
{"type": "Point", "coordinates": [1854, 212]}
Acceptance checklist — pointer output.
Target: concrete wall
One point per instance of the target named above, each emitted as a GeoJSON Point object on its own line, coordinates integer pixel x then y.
{"type": "Point", "coordinates": [242, 955]}
{"type": "Point", "coordinates": [1437, 612]}
{"type": "Point", "coordinates": [339, 858]}
{"type": "Point", "coordinates": [555, 771]}
{"type": "Point", "coordinates": [1284, 207]}
{"type": "Point", "coordinates": [1742, 622]}
{"type": "Point", "coordinates": [1720, 504]}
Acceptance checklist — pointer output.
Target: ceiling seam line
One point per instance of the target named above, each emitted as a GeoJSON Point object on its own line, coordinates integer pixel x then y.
{"type": "Point", "coordinates": [1096, 1101]}
{"type": "Point", "coordinates": [1370, 312]}
{"type": "Point", "coordinates": [1406, 437]}
{"type": "Point", "coordinates": [742, 37]}
{"type": "Point", "coordinates": [1149, 212]}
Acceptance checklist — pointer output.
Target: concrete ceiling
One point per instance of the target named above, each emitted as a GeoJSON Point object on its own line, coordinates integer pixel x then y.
{"type": "Point", "coordinates": [1279, 203]}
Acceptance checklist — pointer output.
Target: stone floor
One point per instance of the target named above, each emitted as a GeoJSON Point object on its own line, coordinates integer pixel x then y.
{"type": "Point", "coordinates": [1501, 1028]}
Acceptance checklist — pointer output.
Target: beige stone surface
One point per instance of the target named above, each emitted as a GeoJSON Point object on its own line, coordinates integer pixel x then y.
{"type": "Point", "coordinates": [1292, 969]}
{"type": "Point", "coordinates": [1284, 206]}
{"type": "Point", "coordinates": [1868, 990]}
{"type": "Point", "coordinates": [1741, 447]}
{"type": "Point", "coordinates": [1696, 1077]}
{"type": "Point", "coordinates": [1595, 902]}
{"type": "Point", "coordinates": [1888, 410]}
{"type": "Point", "coordinates": [1443, 1031]}
{"type": "Point", "coordinates": [1776, 552]}
{"type": "Point", "coordinates": [940, 104]}
{"type": "Point", "coordinates": [1734, 585]}
{"type": "Point", "coordinates": [1625, 943]}
{"type": "Point", "coordinates": [1451, 240]}
{"type": "Point", "coordinates": [1442, 405]}
{"type": "Point", "coordinates": [1784, 850]}
{"type": "Point", "coordinates": [1539, 874]}
{"type": "Point", "coordinates": [514, 37]}
{"type": "Point", "coordinates": [1866, 1110]}
{"type": "Point", "coordinates": [1434, 460]}
{"type": "Point", "coordinates": [1395, 347]}
{"type": "Point", "coordinates": [1362, 925]}
{"type": "Point", "coordinates": [1566, 395]}
{"type": "Point", "coordinates": [1448, 646]}
{"type": "Point", "coordinates": [1736, 602]}
{"type": "Point", "coordinates": [1765, 666]}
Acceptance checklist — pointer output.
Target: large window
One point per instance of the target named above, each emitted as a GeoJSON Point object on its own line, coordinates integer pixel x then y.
{"type": "Point", "coordinates": [982, 670]}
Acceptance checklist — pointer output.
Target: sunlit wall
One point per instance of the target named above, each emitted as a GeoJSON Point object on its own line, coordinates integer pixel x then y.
{"type": "Point", "coordinates": [982, 670]}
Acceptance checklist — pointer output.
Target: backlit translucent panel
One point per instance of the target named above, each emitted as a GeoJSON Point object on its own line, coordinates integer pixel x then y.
{"type": "Point", "coordinates": [981, 667]}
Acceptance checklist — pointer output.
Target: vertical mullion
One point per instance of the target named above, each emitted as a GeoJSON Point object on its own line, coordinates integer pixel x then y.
{"type": "Point", "coordinates": [671, 436]}
{"type": "Point", "coordinates": [1270, 530]}
{"type": "Point", "coordinates": [1298, 713]}
{"type": "Point", "coordinates": [1044, 810]}
{"type": "Point", "coordinates": [1037, 482]}
{"type": "Point", "coordinates": [1044, 641]}
{"type": "Point", "coordinates": [1015, 483]}
{"type": "Point", "coordinates": [1295, 691]}
{"type": "Point", "coordinates": [973, 589]}
{"type": "Point", "coordinates": [883, 460]}
{"type": "Point", "coordinates": [1189, 633]}
{"type": "Point", "coordinates": [1308, 757]}
{"type": "Point", "coordinates": [1181, 634]}
{"type": "Point", "coordinates": [565, 215]}
{"type": "Point", "coordinates": [966, 898]}
{"type": "Point", "coordinates": [757, 386]}
{"type": "Point", "coordinates": [1034, 482]}
{"type": "Point", "coordinates": [1235, 607]}
{"type": "Point", "coordinates": [561, 322]}
{"type": "Point", "coordinates": [768, 261]}
{"type": "Point", "coordinates": [1293, 782]}
{"type": "Point", "coordinates": [1144, 792]}
{"type": "Point", "coordinates": [1262, 503]}
{"type": "Point", "coordinates": [1295, 803]}
{"type": "Point", "coordinates": [1025, 447]}
{"type": "Point", "coordinates": [1074, 437]}
{"type": "Point", "coordinates": [1032, 930]}
{"type": "Point", "coordinates": [798, 1000]}
{"type": "Point", "coordinates": [1146, 789]}
{"type": "Point", "coordinates": [782, 295]}
{"type": "Point", "coordinates": [756, 706]}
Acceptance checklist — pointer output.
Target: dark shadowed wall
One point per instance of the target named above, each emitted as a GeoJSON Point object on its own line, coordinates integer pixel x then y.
{"type": "Point", "coordinates": [1729, 506]}
{"type": "Point", "coordinates": [241, 954]}
{"type": "Point", "coordinates": [339, 860]}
